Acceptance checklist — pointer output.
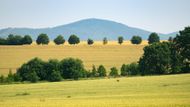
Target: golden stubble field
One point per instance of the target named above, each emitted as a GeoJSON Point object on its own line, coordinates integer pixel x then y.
{"type": "Point", "coordinates": [112, 54]}
{"type": "Point", "coordinates": [147, 91]}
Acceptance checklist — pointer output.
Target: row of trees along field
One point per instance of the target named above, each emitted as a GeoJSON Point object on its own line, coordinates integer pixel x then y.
{"type": "Point", "coordinates": [159, 58]}
{"type": "Point", "coordinates": [73, 39]}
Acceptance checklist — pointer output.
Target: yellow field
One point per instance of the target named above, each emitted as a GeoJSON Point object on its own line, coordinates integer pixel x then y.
{"type": "Point", "coordinates": [148, 91]}
{"type": "Point", "coordinates": [112, 54]}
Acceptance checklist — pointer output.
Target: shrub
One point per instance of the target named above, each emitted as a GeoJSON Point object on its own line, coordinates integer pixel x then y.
{"type": "Point", "coordinates": [73, 39]}
{"type": "Point", "coordinates": [101, 71]}
{"type": "Point", "coordinates": [42, 39]}
{"type": "Point", "coordinates": [120, 40]}
{"type": "Point", "coordinates": [105, 40]}
{"type": "Point", "coordinates": [71, 68]}
{"type": "Point", "coordinates": [130, 69]}
{"type": "Point", "coordinates": [113, 72]}
{"type": "Point", "coordinates": [153, 37]}
{"type": "Point", "coordinates": [2, 79]}
{"type": "Point", "coordinates": [156, 59]}
{"type": "Point", "coordinates": [34, 65]}
{"type": "Point", "coordinates": [14, 40]}
{"type": "Point", "coordinates": [136, 40]}
{"type": "Point", "coordinates": [90, 41]}
{"type": "Point", "coordinates": [26, 40]}
{"type": "Point", "coordinates": [59, 40]}
{"type": "Point", "coordinates": [54, 76]}
{"type": "Point", "coordinates": [94, 72]}
{"type": "Point", "coordinates": [33, 77]}
{"type": "Point", "coordinates": [3, 41]}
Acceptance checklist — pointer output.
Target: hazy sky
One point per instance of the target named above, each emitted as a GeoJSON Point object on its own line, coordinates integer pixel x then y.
{"type": "Point", "coordinates": [162, 16]}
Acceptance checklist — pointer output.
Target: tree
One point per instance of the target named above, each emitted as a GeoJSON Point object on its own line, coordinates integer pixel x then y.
{"type": "Point", "coordinates": [54, 76]}
{"type": "Point", "coordinates": [52, 68]}
{"type": "Point", "coordinates": [34, 65]}
{"type": "Point", "coordinates": [94, 72]}
{"type": "Point", "coordinates": [42, 39]}
{"type": "Point", "coordinates": [10, 77]}
{"type": "Point", "coordinates": [101, 71]}
{"type": "Point", "coordinates": [3, 41]}
{"type": "Point", "coordinates": [14, 40]}
{"type": "Point", "coordinates": [130, 69]}
{"type": "Point", "coordinates": [90, 41]}
{"type": "Point", "coordinates": [73, 39]}
{"type": "Point", "coordinates": [59, 40]}
{"type": "Point", "coordinates": [105, 41]}
{"type": "Point", "coordinates": [182, 46]}
{"type": "Point", "coordinates": [153, 37]}
{"type": "Point", "coordinates": [2, 79]}
{"type": "Point", "coordinates": [71, 68]}
{"type": "Point", "coordinates": [170, 39]}
{"type": "Point", "coordinates": [113, 72]}
{"type": "Point", "coordinates": [27, 39]}
{"type": "Point", "coordinates": [156, 59]}
{"type": "Point", "coordinates": [136, 40]}
{"type": "Point", "coordinates": [33, 77]}
{"type": "Point", "coordinates": [120, 40]}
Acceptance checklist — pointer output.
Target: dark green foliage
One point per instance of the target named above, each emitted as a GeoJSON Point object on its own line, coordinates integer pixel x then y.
{"type": "Point", "coordinates": [3, 41]}
{"type": "Point", "coordinates": [105, 40]}
{"type": "Point", "coordinates": [90, 41]}
{"type": "Point", "coordinates": [170, 39]}
{"type": "Point", "coordinates": [113, 72]}
{"type": "Point", "coordinates": [120, 40]}
{"type": "Point", "coordinates": [94, 72]}
{"type": "Point", "coordinates": [153, 37]}
{"type": "Point", "coordinates": [33, 77]}
{"type": "Point", "coordinates": [101, 71]}
{"type": "Point", "coordinates": [182, 46]}
{"type": "Point", "coordinates": [73, 39]}
{"type": "Point", "coordinates": [131, 69]}
{"type": "Point", "coordinates": [52, 68]}
{"type": "Point", "coordinates": [42, 39]}
{"type": "Point", "coordinates": [35, 65]}
{"type": "Point", "coordinates": [59, 40]}
{"type": "Point", "coordinates": [136, 40]}
{"type": "Point", "coordinates": [156, 59]}
{"type": "Point", "coordinates": [2, 79]}
{"type": "Point", "coordinates": [71, 68]}
{"type": "Point", "coordinates": [10, 77]}
{"type": "Point", "coordinates": [14, 40]}
{"type": "Point", "coordinates": [54, 76]}
{"type": "Point", "coordinates": [27, 40]}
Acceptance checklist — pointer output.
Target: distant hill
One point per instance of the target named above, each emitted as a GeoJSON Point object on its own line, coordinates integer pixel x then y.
{"type": "Point", "coordinates": [88, 28]}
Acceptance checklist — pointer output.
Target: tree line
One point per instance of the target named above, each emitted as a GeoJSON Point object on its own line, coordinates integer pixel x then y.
{"type": "Point", "coordinates": [73, 39]}
{"type": "Point", "coordinates": [159, 58]}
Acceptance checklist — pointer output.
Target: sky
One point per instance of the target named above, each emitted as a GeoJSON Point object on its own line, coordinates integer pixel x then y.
{"type": "Point", "coordinates": [163, 16]}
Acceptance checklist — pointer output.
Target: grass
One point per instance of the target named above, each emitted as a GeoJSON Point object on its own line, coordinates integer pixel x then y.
{"type": "Point", "coordinates": [112, 54]}
{"type": "Point", "coordinates": [148, 91]}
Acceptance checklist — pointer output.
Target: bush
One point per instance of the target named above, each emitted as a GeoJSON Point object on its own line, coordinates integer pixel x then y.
{"type": "Point", "coordinates": [59, 40]}
{"type": "Point", "coordinates": [33, 77]}
{"type": "Point", "coordinates": [54, 76]}
{"type": "Point", "coordinates": [101, 71]}
{"type": "Point", "coordinates": [156, 59]}
{"type": "Point", "coordinates": [3, 41]}
{"type": "Point", "coordinates": [136, 40]}
{"type": "Point", "coordinates": [2, 79]}
{"type": "Point", "coordinates": [113, 72]}
{"type": "Point", "coordinates": [120, 40]}
{"type": "Point", "coordinates": [105, 40]}
{"type": "Point", "coordinates": [73, 39]}
{"type": "Point", "coordinates": [94, 72]}
{"type": "Point", "coordinates": [90, 41]}
{"type": "Point", "coordinates": [71, 68]}
{"type": "Point", "coordinates": [131, 69]}
{"type": "Point", "coordinates": [153, 37]}
{"type": "Point", "coordinates": [27, 40]}
{"type": "Point", "coordinates": [14, 40]}
{"type": "Point", "coordinates": [42, 39]}
{"type": "Point", "coordinates": [34, 65]}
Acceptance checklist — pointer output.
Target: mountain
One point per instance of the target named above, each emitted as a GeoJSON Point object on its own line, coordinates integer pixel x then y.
{"type": "Point", "coordinates": [88, 28]}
